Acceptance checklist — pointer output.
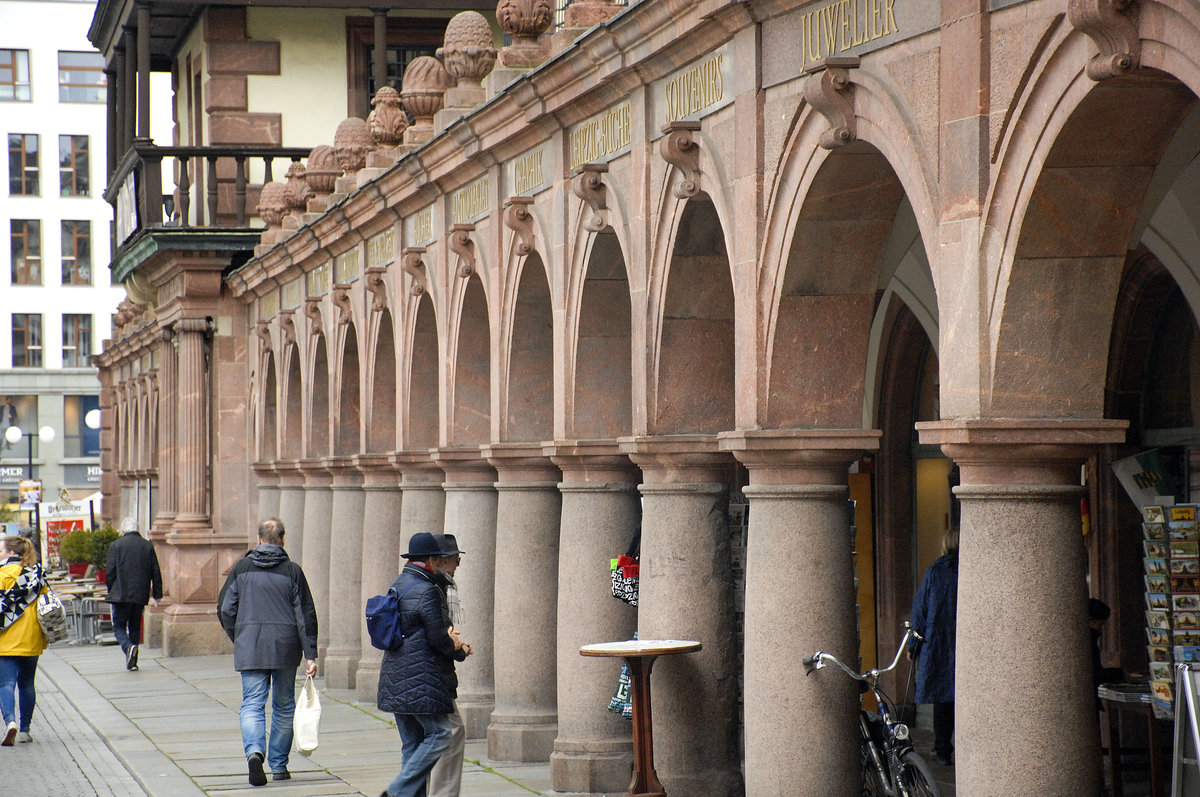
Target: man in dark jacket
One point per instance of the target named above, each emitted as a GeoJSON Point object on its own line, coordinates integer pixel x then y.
{"type": "Point", "coordinates": [267, 610]}
{"type": "Point", "coordinates": [133, 578]}
{"type": "Point", "coordinates": [417, 683]}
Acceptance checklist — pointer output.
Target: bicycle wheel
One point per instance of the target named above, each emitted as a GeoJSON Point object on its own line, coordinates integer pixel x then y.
{"type": "Point", "coordinates": [873, 783]}
{"type": "Point", "coordinates": [915, 778]}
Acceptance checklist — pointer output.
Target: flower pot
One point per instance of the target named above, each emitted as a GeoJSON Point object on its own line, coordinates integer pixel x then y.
{"type": "Point", "coordinates": [77, 569]}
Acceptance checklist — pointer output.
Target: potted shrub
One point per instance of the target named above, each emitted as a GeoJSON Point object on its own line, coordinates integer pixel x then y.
{"type": "Point", "coordinates": [102, 538]}
{"type": "Point", "coordinates": [75, 549]}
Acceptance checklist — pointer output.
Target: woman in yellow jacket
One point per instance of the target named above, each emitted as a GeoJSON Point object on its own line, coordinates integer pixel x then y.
{"type": "Point", "coordinates": [22, 580]}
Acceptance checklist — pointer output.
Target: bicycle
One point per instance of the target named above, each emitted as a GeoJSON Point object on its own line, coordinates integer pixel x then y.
{"type": "Point", "coordinates": [891, 767]}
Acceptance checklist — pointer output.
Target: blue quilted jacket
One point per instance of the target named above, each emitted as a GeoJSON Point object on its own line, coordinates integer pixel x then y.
{"type": "Point", "coordinates": [418, 678]}
{"type": "Point", "coordinates": [934, 615]}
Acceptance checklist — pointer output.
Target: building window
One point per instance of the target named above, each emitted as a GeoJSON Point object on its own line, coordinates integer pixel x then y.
{"type": "Point", "coordinates": [80, 439]}
{"type": "Point", "coordinates": [407, 38]}
{"type": "Point", "coordinates": [26, 340]}
{"type": "Point", "coordinates": [23, 164]}
{"type": "Point", "coordinates": [73, 166]}
{"type": "Point", "coordinates": [77, 341]}
{"type": "Point", "coordinates": [76, 253]}
{"type": "Point", "coordinates": [14, 75]}
{"type": "Point", "coordinates": [26, 235]}
{"type": "Point", "coordinates": [81, 77]}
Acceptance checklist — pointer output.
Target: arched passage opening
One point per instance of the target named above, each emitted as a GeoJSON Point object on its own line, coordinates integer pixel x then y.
{"type": "Point", "coordinates": [381, 433]}
{"type": "Point", "coordinates": [268, 424]}
{"type": "Point", "coordinates": [472, 370]}
{"type": "Point", "coordinates": [602, 397]}
{"type": "Point", "coordinates": [349, 419]}
{"type": "Point", "coordinates": [530, 398]}
{"type": "Point", "coordinates": [318, 441]}
{"type": "Point", "coordinates": [423, 380]}
{"type": "Point", "coordinates": [293, 398]}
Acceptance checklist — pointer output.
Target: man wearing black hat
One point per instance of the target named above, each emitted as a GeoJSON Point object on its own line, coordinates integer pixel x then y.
{"type": "Point", "coordinates": [446, 778]}
{"type": "Point", "coordinates": [417, 684]}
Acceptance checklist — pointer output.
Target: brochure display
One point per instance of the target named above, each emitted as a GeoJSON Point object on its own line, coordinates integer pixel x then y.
{"type": "Point", "coordinates": [1171, 544]}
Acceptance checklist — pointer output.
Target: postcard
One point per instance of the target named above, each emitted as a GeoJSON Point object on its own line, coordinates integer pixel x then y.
{"type": "Point", "coordinates": [1153, 514]}
{"type": "Point", "coordinates": [1178, 583]}
{"type": "Point", "coordinates": [1160, 584]}
{"type": "Point", "coordinates": [1185, 620]}
{"type": "Point", "coordinates": [1184, 653]}
{"type": "Point", "coordinates": [1160, 671]}
{"type": "Point", "coordinates": [1158, 636]}
{"type": "Point", "coordinates": [1155, 547]}
{"type": "Point", "coordinates": [1159, 653]}
{"type": "Point", "coordinates": [1183, 603]}
{"type": "Point", "coordinates": [1161, 689]}
{"type": "Point", "coordinates": [1180, 512]}
{"type": "Point", "coordinates": [1159, 600]}
{"type": "Point", "coordinates": [1154, 531]}
{"type": "Point", "coordinates": [1155, 619]}
{"type": "Point", "coordinates": [1181, 567]}
{"type": "Point", "coordinates": [1157, 566]}
{"type": "Point", "coordinates": [1181, 548]}
{"type": "Point", "coordinates": [1183, 530]}
{"type": "Point", "coordinates": [1185, 637]}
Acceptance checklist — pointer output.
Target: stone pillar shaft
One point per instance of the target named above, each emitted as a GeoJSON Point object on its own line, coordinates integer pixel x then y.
{"type": "Point", "coordinates": [192, 429]}
{"type": "Point", "coordinates": [471, 517]}
{"type": "Point", "coordinates": [318, 517]}
{"type": "Point", "coordinates": [291, 510]}
{"type": "Point", "coordinates": [381, 520]}
{"type": "Point", "coordinates": [686, 592]}
{"type": "Point", "coordinates": [167, 420]}
{"type": "Point", "coordinates": [600, 510]}
{"type": "Point", "coordinates": [1022, 606]}
{"type": "Point", "coordinates": [345, 576]}
{"type": "Point", "coordinates": [523, 724]}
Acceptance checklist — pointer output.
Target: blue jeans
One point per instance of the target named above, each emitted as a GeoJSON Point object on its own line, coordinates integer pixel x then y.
{"type": "Point", "coordinates": [281, 684]}
{"type": "Point", "coordinates": [16, 681]}
{"type": "Point", "coordinates": [127, 624]}
{"type": "Point", "coordinates": [423, 739]}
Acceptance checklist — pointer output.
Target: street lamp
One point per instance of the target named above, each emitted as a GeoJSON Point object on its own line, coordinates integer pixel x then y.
{"type": "Point", "coordinates": [13, 435]}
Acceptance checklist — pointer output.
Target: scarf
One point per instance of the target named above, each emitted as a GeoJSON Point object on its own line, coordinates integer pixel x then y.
{"type": "Point", "coordinates": [21, 595]}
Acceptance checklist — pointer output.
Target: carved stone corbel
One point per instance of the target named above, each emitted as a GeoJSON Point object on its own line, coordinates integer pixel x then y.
{"type": "Point", "coordinates": [264, 334]}
{"type": "Point", "coordinates": [1112, 25]}
{"type": "Point", "coordinates": [518, 219]}
{"type": "Point", "coordinates": [589, 186]}
{"type": "Point", "coordinates": [414, 266]}
{"type": "Point", "coordinates": [287, 328]}
{"type": "Point", "coordinates": [680, 148]}
{"type": "Point", "coordinates": [830, 91]}
{"type": "Point", "coordinates": [462, 245]}
{"type": "Point", "coordinates": [376, 287]}
{"type": "Point", "coordinates": [312, 311]}
{"type": "Point", "coordinates": [341, 300]}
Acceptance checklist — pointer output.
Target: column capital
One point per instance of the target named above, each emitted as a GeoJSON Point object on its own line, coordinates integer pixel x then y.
{"type": "Point", "coordinates": [377, 471]}
{"type": "Point", "coordinates": [289, 474]}
{"type": "Point", "coordinates": [266, 472]}
{"type": "Point", "coordinates": [1021, 450]}
{"type": "Point", "coordinates": [463, 465]}
{"type": "Point", "coordinates": [314, 471]}
{"type": "Point", "coordinates": [521, 462]}
{"type": "Point", "coordinates": [417, 467]}
{"type": "Point", "coordinates": [592, 462]}
{"type": "Point", "coordinates": [685, 458]}
{"type": "Point", "coordinates": [798, 456]}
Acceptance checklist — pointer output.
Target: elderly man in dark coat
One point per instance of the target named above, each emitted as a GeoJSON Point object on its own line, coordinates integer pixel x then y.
{"type": "Point", "coordinates": [417, 683]}
{"type": "Point", "coordinates": [267, 609]}
{"type": "Point", "coordinates": [132, 577]}
{"type": "Point", "coordinates": [934, 616]}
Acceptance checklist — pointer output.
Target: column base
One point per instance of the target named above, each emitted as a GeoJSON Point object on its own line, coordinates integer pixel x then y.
{"type": "Point", "coordinates": [340, 670]}
{"type": "Point", "coordinates": [476, 711]}
{"type": "Point", "coordinates": [366, 682]}
{"type": "Point", "coordinates": [592, 767]}
{"type": "Point", "coordinates": [152, 629]}
{"type": "Point", "coordinates": [193, 637]}
{"type": "Point", "coordinates": [521, 738]}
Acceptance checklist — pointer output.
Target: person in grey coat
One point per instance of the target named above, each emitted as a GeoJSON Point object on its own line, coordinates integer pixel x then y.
{"type": "Point", "coordinates": [266, 608]}
{"type": "Point", "coordinates": [132, 577]}
{"type": "Point", "coordinates": [417, 683]}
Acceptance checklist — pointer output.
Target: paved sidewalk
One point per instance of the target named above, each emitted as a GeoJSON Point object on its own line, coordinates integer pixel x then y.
{"type": "Point", "coordinates": [171, 730]}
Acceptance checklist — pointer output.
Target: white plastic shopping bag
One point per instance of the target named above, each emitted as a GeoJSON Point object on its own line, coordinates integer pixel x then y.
{"type": "Point", "coordinates": [307, 718]}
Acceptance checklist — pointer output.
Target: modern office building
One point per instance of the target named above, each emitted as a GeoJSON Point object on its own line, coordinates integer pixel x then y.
{"type": "Point", "coordinates": [705, 269]}
{"type": "Point", "coordinates": [56, 297]}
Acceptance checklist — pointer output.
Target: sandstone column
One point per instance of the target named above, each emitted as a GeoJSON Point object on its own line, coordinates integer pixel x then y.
{"type": "Point", "coordinates": [167, 418]}
{"type": "Point", "coordinates": [471, 517]}
{"type": "Point", "coordinates": [1022, 606]}
{"type": "Point", "coordinates": [600, 510]}
{"type": "Point", "coordinates": [380, 552]}
{"type": "Point", "coordinates": [345, 574]}
{"type": "Point", "coordinates": [191, 450]}
{"type": "Point", "coordinates": [268, 492]}
{"type": "Point", "coordinates": [528, 507]}
{"type": "Point", "coordinates": [318, 516]}
{"type": "Point", "coordinates": [291, 508]}
{"type": "Point", "coordinates": [799, 599]}
{"type": "Point", "coordinates": [686, 592]}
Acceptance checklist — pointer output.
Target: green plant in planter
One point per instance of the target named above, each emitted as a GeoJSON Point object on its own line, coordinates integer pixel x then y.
{"type": "Point", "coordinates": [76, 548]}
{"type": "Point", "coordinates": [102, 538]}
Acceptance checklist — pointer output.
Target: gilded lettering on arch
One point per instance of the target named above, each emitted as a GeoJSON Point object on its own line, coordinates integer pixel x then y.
{"type": "Point", "coordinates": [841, 26]}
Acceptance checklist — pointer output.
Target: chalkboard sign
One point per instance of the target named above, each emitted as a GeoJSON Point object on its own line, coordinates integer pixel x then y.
{"type": "Point", "coordinates": [1185, 775]}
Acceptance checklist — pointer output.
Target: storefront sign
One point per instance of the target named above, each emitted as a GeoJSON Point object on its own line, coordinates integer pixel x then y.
{"type": "Point", "coordinates": [381, 248]}
{"type": "Point", "coordinates": [527, 174]}
{"type": "Point", "coordinates": [345, 267]}
{"type": "Point", "coordinates": [419, 227]}
{"type": "Point", "coordinates": [699, 89]}
{"type": "Point", "coordinates": [471, 202]}
{"type": "Point", "coordinates": [840, 28]}
{"type": "Point", "coordinates": [81, 475]}
{"type": "Point", "coordinates": [1146, 478]}
{"type": "Point", "coordinates": [11, 475]}
{"type": "Point", "coordinates": [601, 138]}
{"type": "Point", "coordinates": [268, 305]}
{"type": "Point", "coordinates": [317, 280]}
{"type": "Point", "coordinates": [292, 294]}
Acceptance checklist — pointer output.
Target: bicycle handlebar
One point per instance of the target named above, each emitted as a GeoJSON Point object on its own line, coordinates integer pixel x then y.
{"type": "Point", "coordinates": [819, 659]}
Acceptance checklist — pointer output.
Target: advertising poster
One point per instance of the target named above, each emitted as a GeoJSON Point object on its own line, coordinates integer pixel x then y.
{"type": "Point", "coordinates": [55, 531]}
{"type": "Point", "coordinates": [30, 491]}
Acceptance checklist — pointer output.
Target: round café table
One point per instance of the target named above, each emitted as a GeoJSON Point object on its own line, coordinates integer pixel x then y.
{"type": "Point", "coordinates": [639, 655]}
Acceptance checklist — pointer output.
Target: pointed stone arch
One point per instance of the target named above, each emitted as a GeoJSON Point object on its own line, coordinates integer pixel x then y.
{"type": "Point", "coordinates": [471, 424]}
{"type": "Point", "coordinates": [348, 419]}
{"type": "Point", "coordinates": [422, 430]}
{"type": "Point", "coordinates": [381, 409]}
{"type": "Point", "coordinates": [319, 418]}
{"type": "Point", "coordinates": [529, 397]}
{"type": "Point", "coordinates": [602, 389]}
{"type": "Point", "coordinates": [293, 432]}
{"type": "Point", "coordinates": [268, 421]}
